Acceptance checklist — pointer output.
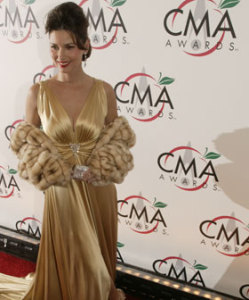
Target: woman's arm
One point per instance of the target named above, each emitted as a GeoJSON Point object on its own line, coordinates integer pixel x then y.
{"type": "Point", "coordinates": [31, 106]}
{"type": "Point", "coordinates": [112, 103]}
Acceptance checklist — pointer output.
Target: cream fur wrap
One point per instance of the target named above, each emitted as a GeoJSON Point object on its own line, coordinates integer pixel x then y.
{"type": "Point", "coordinates": [111, 158]}
{"type": "Point", "coordinates": [41, 164]}
{"type": "Point", "coordinates": [39, 160]}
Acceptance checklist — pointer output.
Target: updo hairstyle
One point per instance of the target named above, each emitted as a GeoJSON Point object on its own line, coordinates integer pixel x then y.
{"type": "Point", "coordinates": [70, 17]}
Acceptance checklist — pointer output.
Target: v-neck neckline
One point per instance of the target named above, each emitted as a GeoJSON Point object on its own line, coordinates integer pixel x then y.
{"type": "Point", "coordinates": [72, 122]}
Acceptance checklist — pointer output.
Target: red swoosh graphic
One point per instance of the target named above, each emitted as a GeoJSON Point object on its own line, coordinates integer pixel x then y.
{"type": "Point", "coordinates": [174, 257]}
{"type": "Point", "coordinates": [140, 197]}
{"type": "Point", "coordinates": [24, 39]}
{"type": "Point", "coordinates": [136, 75]}
{"type": "Point", "coordinates": [17, 121]}
{"type": "Point", "coordinates": [231, 218]}
{"type": "Point", "coordinates": [147, 232]}
{"type": "Point", "coordinates": [209, 51]}
{"type": "Point", "coordinates": [234, 255]}
{"type": "Point", "coordinates": [193, 149]}
{"type": "Point", "coordinates": [45, 69]}
{"type": "Point", "coordinates": [82, 2]}
{"type": "Point", "coordinates": [152, 118]}
{"type": "Point", "coordinates": [185, 3]}
{"type": "Point", "coordinates": [112, 39]}
{"type": "Point", "coordinates": [225, 217]}
{"type": "Point", "coordinates": [29, 218]}
{"type": "Point", "coordinates": [134, 196]}
{"type": "Point", "coordinates": [196, 188]}
{"type": "Point", "coordinates": [13, 124]}
{"type": "Point", "coordinates": [145, 75]}
{"type": "Point", "coordinates": [215, 46]}
{"type": "Point", "coordinates": [181, 148]}
{"type": "Point", "coordinates": [9, 195]}
{"type": "Point", "coordinates": [180, 7]}
{"type": "Point", "coordinates": [212, 49]}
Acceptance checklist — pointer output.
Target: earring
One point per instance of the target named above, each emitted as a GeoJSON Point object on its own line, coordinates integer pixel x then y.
{"type": "Point", "coordinates": [84, 58]}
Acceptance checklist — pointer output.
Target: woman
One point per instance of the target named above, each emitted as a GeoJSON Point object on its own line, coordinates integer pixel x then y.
{"type": "Point", "coordinates": [77, 254]}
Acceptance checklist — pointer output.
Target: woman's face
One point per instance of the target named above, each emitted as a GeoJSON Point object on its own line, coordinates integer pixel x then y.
{"type": "Point", "coordinates": [65, 53]}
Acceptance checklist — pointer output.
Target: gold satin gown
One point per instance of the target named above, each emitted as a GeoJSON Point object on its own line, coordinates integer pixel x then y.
{"type": "Point", "coordinates": [77, 255]}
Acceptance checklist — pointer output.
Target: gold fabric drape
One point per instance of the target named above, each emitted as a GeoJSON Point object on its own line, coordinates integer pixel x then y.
{"type": "Point", "coordinates": [77, 255]}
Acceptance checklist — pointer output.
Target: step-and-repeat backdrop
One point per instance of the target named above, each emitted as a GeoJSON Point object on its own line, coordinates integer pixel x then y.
{"type": "Point", "coordinates": [180, 73]}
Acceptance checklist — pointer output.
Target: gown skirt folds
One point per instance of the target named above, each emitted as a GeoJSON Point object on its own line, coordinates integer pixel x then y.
{"type": "Point", "coordinates": [77, 255]}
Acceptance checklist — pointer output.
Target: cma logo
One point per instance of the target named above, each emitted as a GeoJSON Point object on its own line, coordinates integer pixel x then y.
{"type": "Point", "coordinates": [29, 226]}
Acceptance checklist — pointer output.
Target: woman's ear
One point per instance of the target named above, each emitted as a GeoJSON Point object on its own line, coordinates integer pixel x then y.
{"type": "Point", "coordinates": [87, 44]}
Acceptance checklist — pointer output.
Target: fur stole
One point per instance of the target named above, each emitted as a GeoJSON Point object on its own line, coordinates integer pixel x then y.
{"type": "Point", "coordinates": [41, 164]}
{"type": "Point", "coordinates": [39, 160]}
{"type": "Point", "coordinates": [111, 158]}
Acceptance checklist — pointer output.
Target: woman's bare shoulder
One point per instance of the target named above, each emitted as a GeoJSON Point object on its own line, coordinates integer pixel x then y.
{"type": "Point", "coordinates": [33, 91]}
{"type": "Point", "coordinates": [108, 88]}
{"type": "Point", "coordinates": [111, 101]}
{"type": "Point", "coordinates": [51, 81]}
{"type": "Point", "coordinates": [31, 105]}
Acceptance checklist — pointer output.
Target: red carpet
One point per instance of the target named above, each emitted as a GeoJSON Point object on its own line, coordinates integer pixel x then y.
{"type": "Point", "coordinates": [15, 266]}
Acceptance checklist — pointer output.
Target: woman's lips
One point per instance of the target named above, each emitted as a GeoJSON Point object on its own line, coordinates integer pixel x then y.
{"type": "Point", "coordinates": [63, 64]}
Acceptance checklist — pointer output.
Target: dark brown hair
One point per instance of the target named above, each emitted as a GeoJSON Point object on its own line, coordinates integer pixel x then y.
{"type": "Point", "coordinates": [70, 17]}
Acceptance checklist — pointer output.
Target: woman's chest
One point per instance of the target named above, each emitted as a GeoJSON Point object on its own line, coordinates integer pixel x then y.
{"type": "Point", "coordinates": [71, 99]}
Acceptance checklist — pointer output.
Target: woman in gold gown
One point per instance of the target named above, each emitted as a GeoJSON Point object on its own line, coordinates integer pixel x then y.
{"type": "Point", "coordinates": [77, 254]}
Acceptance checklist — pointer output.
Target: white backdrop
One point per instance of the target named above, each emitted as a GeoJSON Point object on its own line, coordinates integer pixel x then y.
{"type": "Point", "coordinates": [179, 69]}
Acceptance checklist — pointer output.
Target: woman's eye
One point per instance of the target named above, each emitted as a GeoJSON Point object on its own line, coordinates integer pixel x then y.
{"type": "Point", "coordinates": [70, 47]}
{"type": "Point", "coordinates": [53, 47]}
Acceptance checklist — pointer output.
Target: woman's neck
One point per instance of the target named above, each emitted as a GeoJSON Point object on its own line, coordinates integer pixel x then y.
{"type": "Point", "coordinates": [72, 78]}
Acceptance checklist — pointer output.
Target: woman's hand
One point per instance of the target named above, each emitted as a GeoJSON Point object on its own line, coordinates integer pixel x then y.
{"type": "Point", "coordinates": [88, 176]}
{"type": "Point", "coordinates": [83, 173]}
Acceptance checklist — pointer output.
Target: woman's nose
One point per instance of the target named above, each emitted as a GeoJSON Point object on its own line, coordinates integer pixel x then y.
{"type": "Point", "coordinates": [61, 53]}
